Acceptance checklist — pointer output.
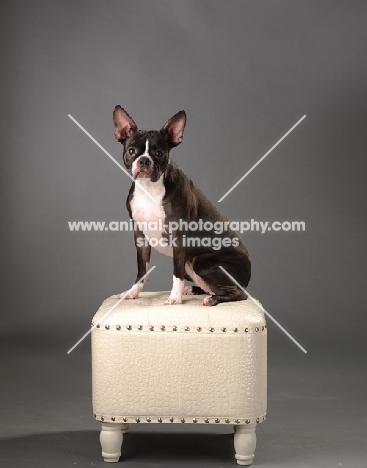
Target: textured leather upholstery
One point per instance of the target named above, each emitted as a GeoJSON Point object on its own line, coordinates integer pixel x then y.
{"type": "Point", "coordinates": [182, 363]}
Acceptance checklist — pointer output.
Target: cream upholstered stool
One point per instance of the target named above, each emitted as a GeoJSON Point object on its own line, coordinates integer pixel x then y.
{"type": "Point", "coordinates": [155, 363]}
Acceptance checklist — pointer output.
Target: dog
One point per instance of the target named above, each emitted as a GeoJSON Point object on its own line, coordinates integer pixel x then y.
{"type": "Point", "coordinates": [168, 209]}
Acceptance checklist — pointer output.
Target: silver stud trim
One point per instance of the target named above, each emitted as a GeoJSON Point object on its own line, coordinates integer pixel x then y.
{"type": "Point", "coordinates": [187, 328]}
{"type": "Point", "coordinates": [148, 419]}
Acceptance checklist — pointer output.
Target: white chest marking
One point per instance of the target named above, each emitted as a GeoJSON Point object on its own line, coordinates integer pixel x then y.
{"type": "Point", "coordinates": [150, 213]}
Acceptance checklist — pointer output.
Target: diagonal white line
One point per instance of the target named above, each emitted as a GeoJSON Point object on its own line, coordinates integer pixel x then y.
{"type": "Point", "coordinates": [109, 311]}
{"type": "Point", "coordinates": [265, 312]}
{"type": "Point", "coordinates": [261, 159]}
{"type": "Point", "coordinates": [111, 157]}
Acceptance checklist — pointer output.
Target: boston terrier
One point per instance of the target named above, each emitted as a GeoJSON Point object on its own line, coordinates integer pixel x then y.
{"type": "Point", "coordinates": [171, 214]}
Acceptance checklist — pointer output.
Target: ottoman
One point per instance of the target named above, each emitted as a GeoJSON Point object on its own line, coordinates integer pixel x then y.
{"type": "Point", "coordinates": [181, 364]}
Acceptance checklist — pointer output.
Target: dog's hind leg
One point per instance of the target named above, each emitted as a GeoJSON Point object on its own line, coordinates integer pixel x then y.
{"type": "Point", "coordinates": [222, 287]}
{"type": "Point", "coordinates": [200, 286]}
{"type": "Point", "coordinates": [225, 294]}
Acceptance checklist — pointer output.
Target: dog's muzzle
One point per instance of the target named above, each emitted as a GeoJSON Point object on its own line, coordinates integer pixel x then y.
{"type": "Point", "coordinates": [143, 168]}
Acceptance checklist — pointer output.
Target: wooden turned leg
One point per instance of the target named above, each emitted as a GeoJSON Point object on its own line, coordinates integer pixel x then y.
{"type": "Point", "coordinates": [125, 428]}
{"type": "Point", "coordinates": [111, 440]}
{"type": "Point", "coordinates": [245, 443]}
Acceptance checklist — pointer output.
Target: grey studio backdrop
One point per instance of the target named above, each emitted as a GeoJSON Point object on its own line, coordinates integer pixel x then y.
{"type": "Point", "coordinates": [245, 72]}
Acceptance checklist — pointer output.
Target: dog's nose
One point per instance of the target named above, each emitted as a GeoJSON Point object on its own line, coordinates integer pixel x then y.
{"type": "Point", "coordinates": [144, 162]}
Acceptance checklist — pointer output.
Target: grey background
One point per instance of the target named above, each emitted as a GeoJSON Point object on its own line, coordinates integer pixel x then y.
{"type": "Point", "coordinates": [244, 72]}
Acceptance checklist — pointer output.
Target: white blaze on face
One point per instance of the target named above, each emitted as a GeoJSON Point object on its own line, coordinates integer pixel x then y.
{"type": "Point", "coordinates": [135, 165]}
{"type": "Point", "coordinates": [146, 148]}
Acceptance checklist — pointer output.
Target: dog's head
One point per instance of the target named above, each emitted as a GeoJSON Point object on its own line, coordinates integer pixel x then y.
{"type": "Point", "coordinates": [146, 153]}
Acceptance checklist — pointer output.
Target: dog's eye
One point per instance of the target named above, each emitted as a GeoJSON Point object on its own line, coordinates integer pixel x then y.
{"type": "Point", "coordinates": [159, 153]}
{"type": "Point", "coordinates": [131, 151]}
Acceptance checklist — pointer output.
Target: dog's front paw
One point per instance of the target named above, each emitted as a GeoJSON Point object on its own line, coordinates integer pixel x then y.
{"type": "Point", "coordinates": [177, 290]}
{"type": "Point", "coordinates": [173, 300]}
{"type": "Point", "coordinates": [132, 293]}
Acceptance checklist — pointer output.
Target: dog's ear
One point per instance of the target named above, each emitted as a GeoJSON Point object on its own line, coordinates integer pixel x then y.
{"type": "Point", "coordinates": [174, 128]}
{"type": "Point", "coordinates": [124, 124]}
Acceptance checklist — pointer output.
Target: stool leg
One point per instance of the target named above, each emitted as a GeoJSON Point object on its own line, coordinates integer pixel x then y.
{"type": "Point", "coordinates": [245, 443]}
{"type": "Point", "coordinates": [111, 440]}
